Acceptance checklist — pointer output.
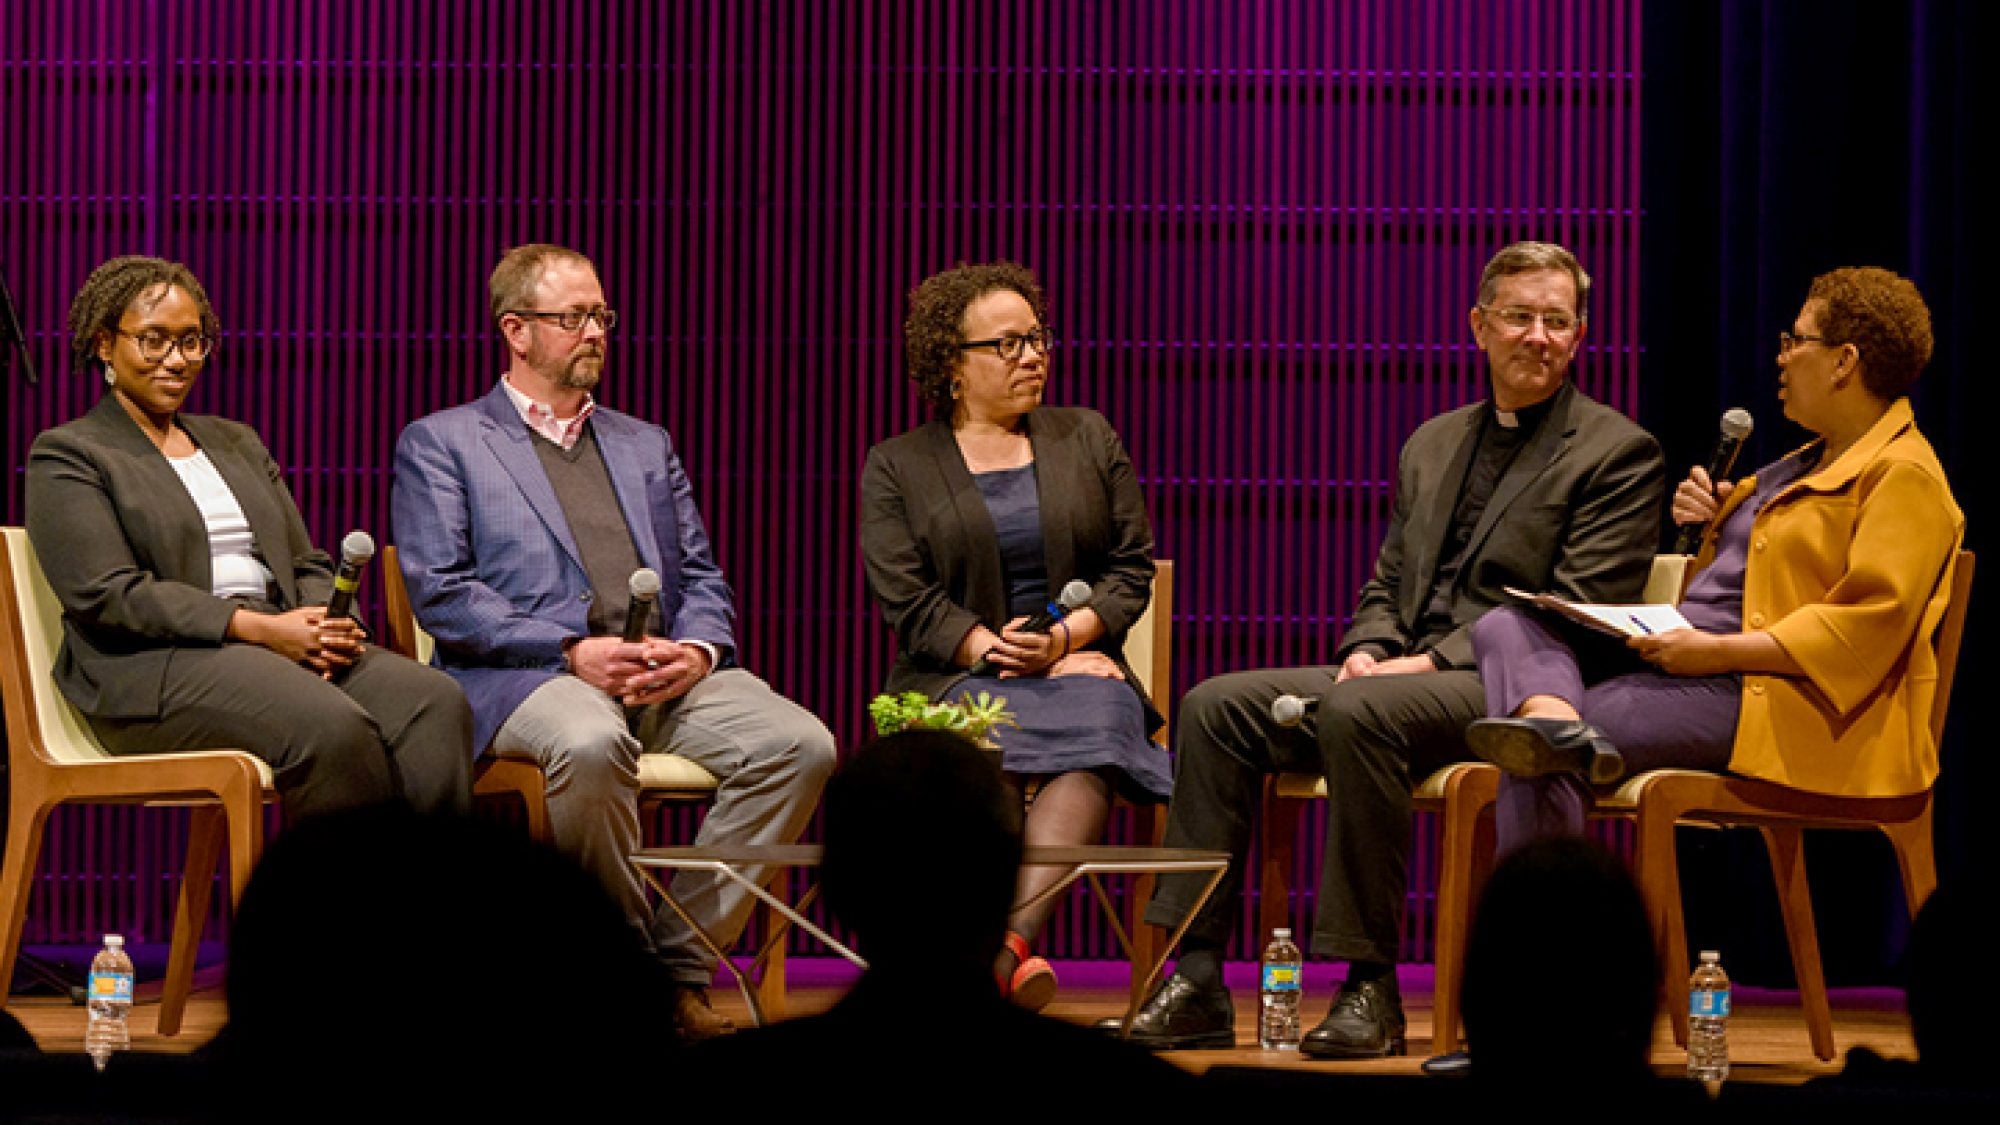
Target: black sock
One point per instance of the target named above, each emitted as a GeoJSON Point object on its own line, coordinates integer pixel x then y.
{"type": "Point", "coordinates": [1201, 965]}
{"type": "Point", "coordinates": [1361, 972]}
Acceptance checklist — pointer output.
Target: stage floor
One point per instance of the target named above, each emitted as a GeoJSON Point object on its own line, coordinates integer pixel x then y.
{"type": "Point", "coordinates": [1767, 1037]}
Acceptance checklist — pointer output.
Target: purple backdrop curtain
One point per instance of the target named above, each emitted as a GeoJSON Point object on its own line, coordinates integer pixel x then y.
{"type": "Point", "coordinates": [1259, 224]}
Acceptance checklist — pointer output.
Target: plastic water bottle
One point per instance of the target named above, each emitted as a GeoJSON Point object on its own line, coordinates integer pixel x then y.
{"type": "Point", "coordinates": [110, 1001]}
{"type": "Point", "coordinates": [1278, 1006]}
{"type": "Point", "coordinates": [1708, 1020]}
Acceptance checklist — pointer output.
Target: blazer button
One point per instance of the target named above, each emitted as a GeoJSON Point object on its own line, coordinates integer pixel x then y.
{"type": "Point", "coordinates": [1756, 689]}
{"type": "Point", "coordinates": [1756, 621]}
{"type": "Point", "coordinates": [584, 597]}
{"type": "Point", "coordinates": [1762, 542]}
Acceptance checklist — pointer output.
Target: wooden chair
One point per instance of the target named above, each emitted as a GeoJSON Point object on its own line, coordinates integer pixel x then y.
{"type": "Point", "coordinates": [663, 778]}
{"type": "Point", "coordinates": [54, 759]}
{"type": "Point", "coordinates": [1662, 799]}
{"type": "Point", "coordinates": [1149, 650]}
{"type": "Point", "coordinates": [1462, 796]}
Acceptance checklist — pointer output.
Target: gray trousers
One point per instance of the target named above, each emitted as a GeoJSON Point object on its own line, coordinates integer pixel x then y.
{"type": "Point", "coordinates": [385, 727]}
{"type": "Point", "coordinates": [770, 757]}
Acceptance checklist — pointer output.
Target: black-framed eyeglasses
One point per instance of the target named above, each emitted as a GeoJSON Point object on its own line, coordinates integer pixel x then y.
{"type": "Point", "coordinates": [569, 320]}
{"type": "Point", "coordinates": [1787, 341]}
{"type": "Point", "coordinates": [1015, 344]}
{"type": "Point", "coordinates": [155, 343]}
{"type": "Point", "coordinates": [1517, 319]}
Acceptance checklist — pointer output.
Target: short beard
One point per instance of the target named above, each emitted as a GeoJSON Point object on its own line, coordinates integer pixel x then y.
{"type": "Point", "coordinates": [572, 374]}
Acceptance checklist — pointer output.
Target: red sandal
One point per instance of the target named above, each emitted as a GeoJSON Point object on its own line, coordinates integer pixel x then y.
{"type": "Point", "coordinates": [1033, 984]}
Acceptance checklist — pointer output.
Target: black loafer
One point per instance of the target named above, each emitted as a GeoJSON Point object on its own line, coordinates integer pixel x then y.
{"type": "Point", "coordinates": [1534, 747]}
{"type": "Point", "coordinates": [1452, 1064]}
{"type": "Point", "coordinates": [1183, 1014]}
{"type": "Point", "coordinates": [1366, 1023]}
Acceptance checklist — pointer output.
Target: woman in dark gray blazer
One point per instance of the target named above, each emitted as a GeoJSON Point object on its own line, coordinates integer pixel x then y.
{"type": "Point", "coordinates": [193, 601]}
{"type": "Point", "coordinates": [973, 522]}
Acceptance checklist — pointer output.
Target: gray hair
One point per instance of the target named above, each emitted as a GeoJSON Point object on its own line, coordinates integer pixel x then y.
{"type": "Point", "coordinates": [1532, 257]}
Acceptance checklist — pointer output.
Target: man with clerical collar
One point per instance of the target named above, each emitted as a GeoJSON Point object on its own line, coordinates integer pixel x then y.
{"type": "Point", "coordinates": [522, 520]}
{"type": "Point", "coordinates": [1537, 487]}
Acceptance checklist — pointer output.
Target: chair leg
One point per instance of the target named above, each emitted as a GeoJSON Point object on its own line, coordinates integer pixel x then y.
{"type": "Point", "coordinates": [1467, 846]}
{"type": "Point", "coordinates": [1916, 856]}
{"type": "Point", "coordinates": [1660, 883]}
{"type": "Point", "coordinates": [206, 826]}
{"type": "Point", "coordinates": [25, 825]}
{"type": "Point", "coordinates": [771, 981]}
{"type": "Point", "coordinates": [1788, 867]}
{"type": "Point", "coordinates": [1280, 831]}
{"type": "Point", "coordinates": [1149, 826]}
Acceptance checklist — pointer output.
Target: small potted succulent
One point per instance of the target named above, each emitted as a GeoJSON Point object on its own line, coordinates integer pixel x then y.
{"type": "Point", "coordinates": [973, 716]}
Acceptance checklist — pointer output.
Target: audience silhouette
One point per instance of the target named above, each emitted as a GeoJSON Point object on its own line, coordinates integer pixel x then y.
{"type": "Point", "coordinates": [923, 843]}
{"type": "Point", "coordinates": [1562, 983]}
{"type": "Point", "coordinates": [1949, 993]}
{"type": "Point", "coordinates": [390, 963]}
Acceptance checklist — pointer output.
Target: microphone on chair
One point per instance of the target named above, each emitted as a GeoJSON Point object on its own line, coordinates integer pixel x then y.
{"type": "Point", "coordinates": [1291, 710]}
{"type": "Point", "coordinates": [355, 551]}
{"type": "Point", "coordinates": [1736, 424]}
{"type": "Point", "coordinates": [1074, 596]}
{"type": "Point", "coordinates": [644, 588]}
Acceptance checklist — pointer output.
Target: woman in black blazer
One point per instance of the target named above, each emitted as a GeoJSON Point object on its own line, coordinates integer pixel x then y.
{"type": "Point", "coordinates": [976, 520]}
{"type": "Point", "coordinates": [193, 601]}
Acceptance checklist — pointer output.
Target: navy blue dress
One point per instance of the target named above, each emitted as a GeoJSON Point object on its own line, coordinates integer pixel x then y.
{"type": "Point", "coordinates": [1071, 722]}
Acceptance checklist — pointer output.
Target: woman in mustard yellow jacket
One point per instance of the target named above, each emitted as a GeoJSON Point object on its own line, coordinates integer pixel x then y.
{"type": "Point", "coordinates": [1819, 585]}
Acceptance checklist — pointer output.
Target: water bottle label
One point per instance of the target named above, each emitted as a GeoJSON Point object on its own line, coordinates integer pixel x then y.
{"type": "Point", "coordinates": [1708, 1003]}
{"type": "Point", "coordinates": [111, 986]}
{"type": "Point", "coordinates": [1282, 978]}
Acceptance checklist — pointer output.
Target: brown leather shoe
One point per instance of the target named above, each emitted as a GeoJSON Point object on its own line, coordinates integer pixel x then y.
{"type": "Point", "coordinates": [694, 1020]}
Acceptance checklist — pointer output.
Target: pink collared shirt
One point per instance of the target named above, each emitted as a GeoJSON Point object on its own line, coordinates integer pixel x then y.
{"type": "Point", "coordinates": [541, 419]}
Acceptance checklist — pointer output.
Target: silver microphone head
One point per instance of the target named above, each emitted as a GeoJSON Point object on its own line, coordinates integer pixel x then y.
{"type": "Point", "coordinates": [357, 548]}
{"type": "Point", "coordinates": [645, 584]}
{"type": "Point", "coordinates": [1075, 595]}
{"type": "Point", "coordinates": [1736, 423]}
{"type": "Point", "coordinates": [1288, 710]}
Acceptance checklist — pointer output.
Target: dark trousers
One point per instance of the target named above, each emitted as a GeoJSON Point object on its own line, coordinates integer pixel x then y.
{"type": "Point", "coordinates": [1367, 737]}
{"type": "Point", "coordinates": [386, 727]}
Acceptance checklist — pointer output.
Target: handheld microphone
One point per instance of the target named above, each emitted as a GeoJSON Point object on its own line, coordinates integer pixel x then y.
{"type": "Point", "coordinates": [1074, 597]}
{"type": "Point", "coordinates": [644, 588]}
{"type": "Point", "coordinates": [1291, 710]}
{"type": "Point", "coordinates": [1736, 424]}
{"type": "Point", "coordinates": [355, 551]}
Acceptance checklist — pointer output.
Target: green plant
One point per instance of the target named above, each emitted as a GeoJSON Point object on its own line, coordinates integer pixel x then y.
{"type": "Point", "coordinates": [974, 716]}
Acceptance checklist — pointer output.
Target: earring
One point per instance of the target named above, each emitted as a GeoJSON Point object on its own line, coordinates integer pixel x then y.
{"type": "Point", "coordinates": [957, 388]}
{"type": "Point", "coordinates": [110, 376]}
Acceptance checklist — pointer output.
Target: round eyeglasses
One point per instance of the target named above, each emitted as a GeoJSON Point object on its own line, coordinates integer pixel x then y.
{"type": "Point", "coordinates": [155, 343]}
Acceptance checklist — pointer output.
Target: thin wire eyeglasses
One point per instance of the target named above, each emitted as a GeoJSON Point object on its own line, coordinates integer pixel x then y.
{"type": "Point", "coordinates": [1517, 319]}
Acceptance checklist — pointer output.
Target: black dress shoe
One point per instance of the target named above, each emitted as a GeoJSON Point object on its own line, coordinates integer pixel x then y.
{"type": "Point", "coordinates": [1366, 1023]}
{"type": "Point", "coordinates": [1532, 747]}
{"type": "Point", "coordinates": [1452, 1064]}
{"type": "Point", "coordinates": [1184, 1014]}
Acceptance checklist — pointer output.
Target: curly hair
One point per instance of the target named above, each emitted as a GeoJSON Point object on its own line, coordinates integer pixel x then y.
{"type": "Point", "coordinates": [931, 334]}
{"type": "Point", "coordinates": [1886, 320]}
{"type": "Point", "coordinates": [110, 290]}
{"type": "Point", "coordinates": [1533, 257]}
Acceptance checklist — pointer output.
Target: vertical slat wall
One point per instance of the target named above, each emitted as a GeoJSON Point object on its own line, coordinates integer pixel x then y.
{"type": "Point", "coordinates": [1259, 224]}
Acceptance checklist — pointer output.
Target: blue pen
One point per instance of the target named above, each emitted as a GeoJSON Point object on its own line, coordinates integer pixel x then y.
{"type": "Point", "coordinates": [1638, 624]}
